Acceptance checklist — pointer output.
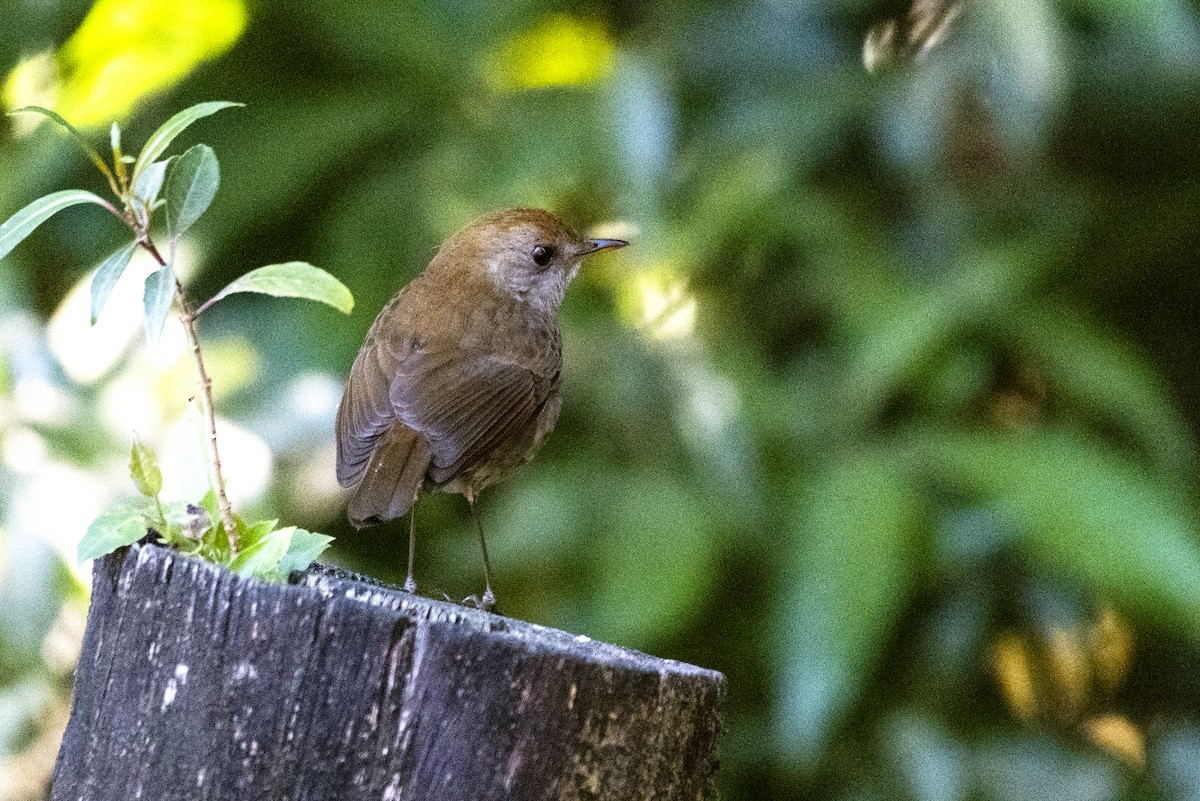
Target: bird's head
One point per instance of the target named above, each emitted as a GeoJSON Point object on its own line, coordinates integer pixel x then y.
{"type": "Point", "coordinates": [528, 254]}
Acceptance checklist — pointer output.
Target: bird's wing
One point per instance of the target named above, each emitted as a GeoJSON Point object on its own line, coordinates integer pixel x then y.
{"type": "Point", "coordinates": [392, 478]}
{"type": "Point", "coordinates": [464, 402]}
{"type": "Point", "coordinates": [460, 402]}
{"type": "Point", "coordinates": [365, 413]}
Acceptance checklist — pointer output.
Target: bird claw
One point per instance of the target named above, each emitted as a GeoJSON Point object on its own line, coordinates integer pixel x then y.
{"type": "Point", "coordinates": [487, 603]}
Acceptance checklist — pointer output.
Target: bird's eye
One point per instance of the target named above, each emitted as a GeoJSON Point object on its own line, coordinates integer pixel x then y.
{"type": "Point", "coordinates": [542, 255]}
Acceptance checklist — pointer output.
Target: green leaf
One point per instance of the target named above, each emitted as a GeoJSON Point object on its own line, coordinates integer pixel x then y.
{"type": "Point", "coordinates": [1105, 377]}
{"type": "Point", "coordinates": [303, 550]}
{"type": "Point", "coordinates": [21, 224]}
{"type": "Point", "coordinates": [146, 187]}
{"type": "Point", "coordinates": [161, 139]}
{"type": "Point", "coordinates": [256, 532]}
{"type": "Point", "coordinates": [117, 527]}
{"type": "Point", "coordinates": [214, 541]}
{"type": "Point", "coordinates": [91, 152]}
{"type": "Point", "coordinates": [294, 279]}
{"type": "Point", "coordinates": [263, 546]}
{"type": "Point", "coordinates": [144, 470]}
{"type": "Point", "coordinates": [1088, 512]}
{"type": "Point", "coordinates": [856, 531]}
{"type": "Point", "coordinates": [107, 275]}
{"type": "Point", "coordinates": [209, 504]}
{"type": "Point", "coordinates": [897, 339]}
{"type": "Point", "coordinates": [191, 186]}
{"type": "Point", "coordinates": [160, 288]}
{"type": "Point", "coordinates": [149, 182]}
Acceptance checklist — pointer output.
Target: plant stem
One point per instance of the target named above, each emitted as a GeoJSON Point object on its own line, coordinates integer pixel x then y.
{"type": "Point", "coordinates": [187, 316]}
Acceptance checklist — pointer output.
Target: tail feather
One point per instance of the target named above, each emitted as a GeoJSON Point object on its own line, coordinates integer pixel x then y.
{"type": "Point", "coordinates": [393, 477]}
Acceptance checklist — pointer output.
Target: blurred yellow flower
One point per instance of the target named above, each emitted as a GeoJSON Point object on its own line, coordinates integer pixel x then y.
{"type": "Point", "coordinates": [1068, 672]}
{"type": "Point", "coordinates": [1118, 736]}
{"type": "Point", "coordinates": [1011, 663]}
{"type": "Point", "coordinates": [1112, 648]}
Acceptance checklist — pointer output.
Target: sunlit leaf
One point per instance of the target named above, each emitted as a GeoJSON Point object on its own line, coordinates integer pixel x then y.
{"type": "Point", "coordinates": [144, 470]}
{"type": "Point", "coordinates": [263, 546]}
{"type": "Point", "coordinates": [21, 224]}
{"type": "Point", "coordinates": [191, 186]}
{"type": "Point", "coordinates": [119, 526]}
{"type": "Point", "coordinates": [303, 550]}
{"type": "Point", "coordinates": [856, 530]}
{"type": "Point", "coordinates": [161, 139]}
{"type": "Point", "coordinates": [1119, 736]}
{"type": "Point", "coordinates": [160, 288]}
{"type": "Point", "coordinates": [126, 50]}
{"type": "Point", "coordinates": [1088, 512]}
{"type": "Point", "coordinates": [107, 275]}
{"type": "Point", "coordinates": [294, 279]}
{"type": "Point", "coordinates": [1011, 663]}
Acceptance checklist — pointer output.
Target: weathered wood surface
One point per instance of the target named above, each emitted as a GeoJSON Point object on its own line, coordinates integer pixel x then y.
{"type": "Point", "coordinates": [195, 684]}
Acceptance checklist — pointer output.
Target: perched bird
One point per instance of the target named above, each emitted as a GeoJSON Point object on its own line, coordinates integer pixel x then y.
{"type": "Point", "coordinates": [459, 379]}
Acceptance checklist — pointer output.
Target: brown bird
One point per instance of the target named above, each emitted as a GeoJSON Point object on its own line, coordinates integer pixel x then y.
{"type": "Point", "coordinates": [459, 379]}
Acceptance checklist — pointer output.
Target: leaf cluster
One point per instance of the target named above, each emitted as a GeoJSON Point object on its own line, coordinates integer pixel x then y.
{"type": "Point", "coordinates": [182, 187]}
{"type": "Point", "coordinates": [267, 551]}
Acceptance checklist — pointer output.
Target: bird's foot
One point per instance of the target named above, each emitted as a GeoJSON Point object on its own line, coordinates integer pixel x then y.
{"type": "Point", "coordinates": [487, 603]}
{"type": "Point", "coordinates": [410, 586]}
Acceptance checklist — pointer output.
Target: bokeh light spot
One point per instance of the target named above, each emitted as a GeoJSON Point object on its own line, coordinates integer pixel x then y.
{"type": "Point", "coordinates": [123, 51]}
{"type": "Point", "coordinates": [559, 51]}
{"type": "Point", "coordinates": [659, 303]}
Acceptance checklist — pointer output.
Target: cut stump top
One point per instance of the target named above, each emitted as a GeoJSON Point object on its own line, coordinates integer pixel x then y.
{"type": "Point", "coordinates": [195, 683]}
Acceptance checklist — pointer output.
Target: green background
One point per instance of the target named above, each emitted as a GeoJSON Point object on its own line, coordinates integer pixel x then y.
{"type": "Point", "coordinates": [889, 413]}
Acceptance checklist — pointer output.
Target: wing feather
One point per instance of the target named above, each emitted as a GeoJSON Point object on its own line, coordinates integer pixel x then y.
{"type": "Point", "coordinates": [364, 414]}
{"type": "Point", "coordinates": [460, 405]}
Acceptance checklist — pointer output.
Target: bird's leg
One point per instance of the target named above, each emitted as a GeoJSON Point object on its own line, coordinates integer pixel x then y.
{"type": "Point", "coordinates": [488, 603]}
{"type": "Point", "coordinates": [410, 584]}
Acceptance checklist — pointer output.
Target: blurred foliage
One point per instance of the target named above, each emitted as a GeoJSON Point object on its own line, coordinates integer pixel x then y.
{"type": "Point", "coordinates": [889, 413]}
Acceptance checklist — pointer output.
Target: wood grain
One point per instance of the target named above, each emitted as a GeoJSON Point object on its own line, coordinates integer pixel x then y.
{"type": "Point", "coordinates": [196, 684]}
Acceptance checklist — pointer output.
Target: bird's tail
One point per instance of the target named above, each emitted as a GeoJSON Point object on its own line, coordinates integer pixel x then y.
{"type": "Point", "coordinates": [393, 478]}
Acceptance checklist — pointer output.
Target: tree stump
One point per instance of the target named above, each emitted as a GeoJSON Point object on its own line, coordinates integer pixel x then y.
{"type": "Point", "coordinates": [197, 684]}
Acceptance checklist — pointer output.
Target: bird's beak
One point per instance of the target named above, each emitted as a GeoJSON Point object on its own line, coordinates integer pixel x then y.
{"type": "Point", "coordinates": [593, 245]}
